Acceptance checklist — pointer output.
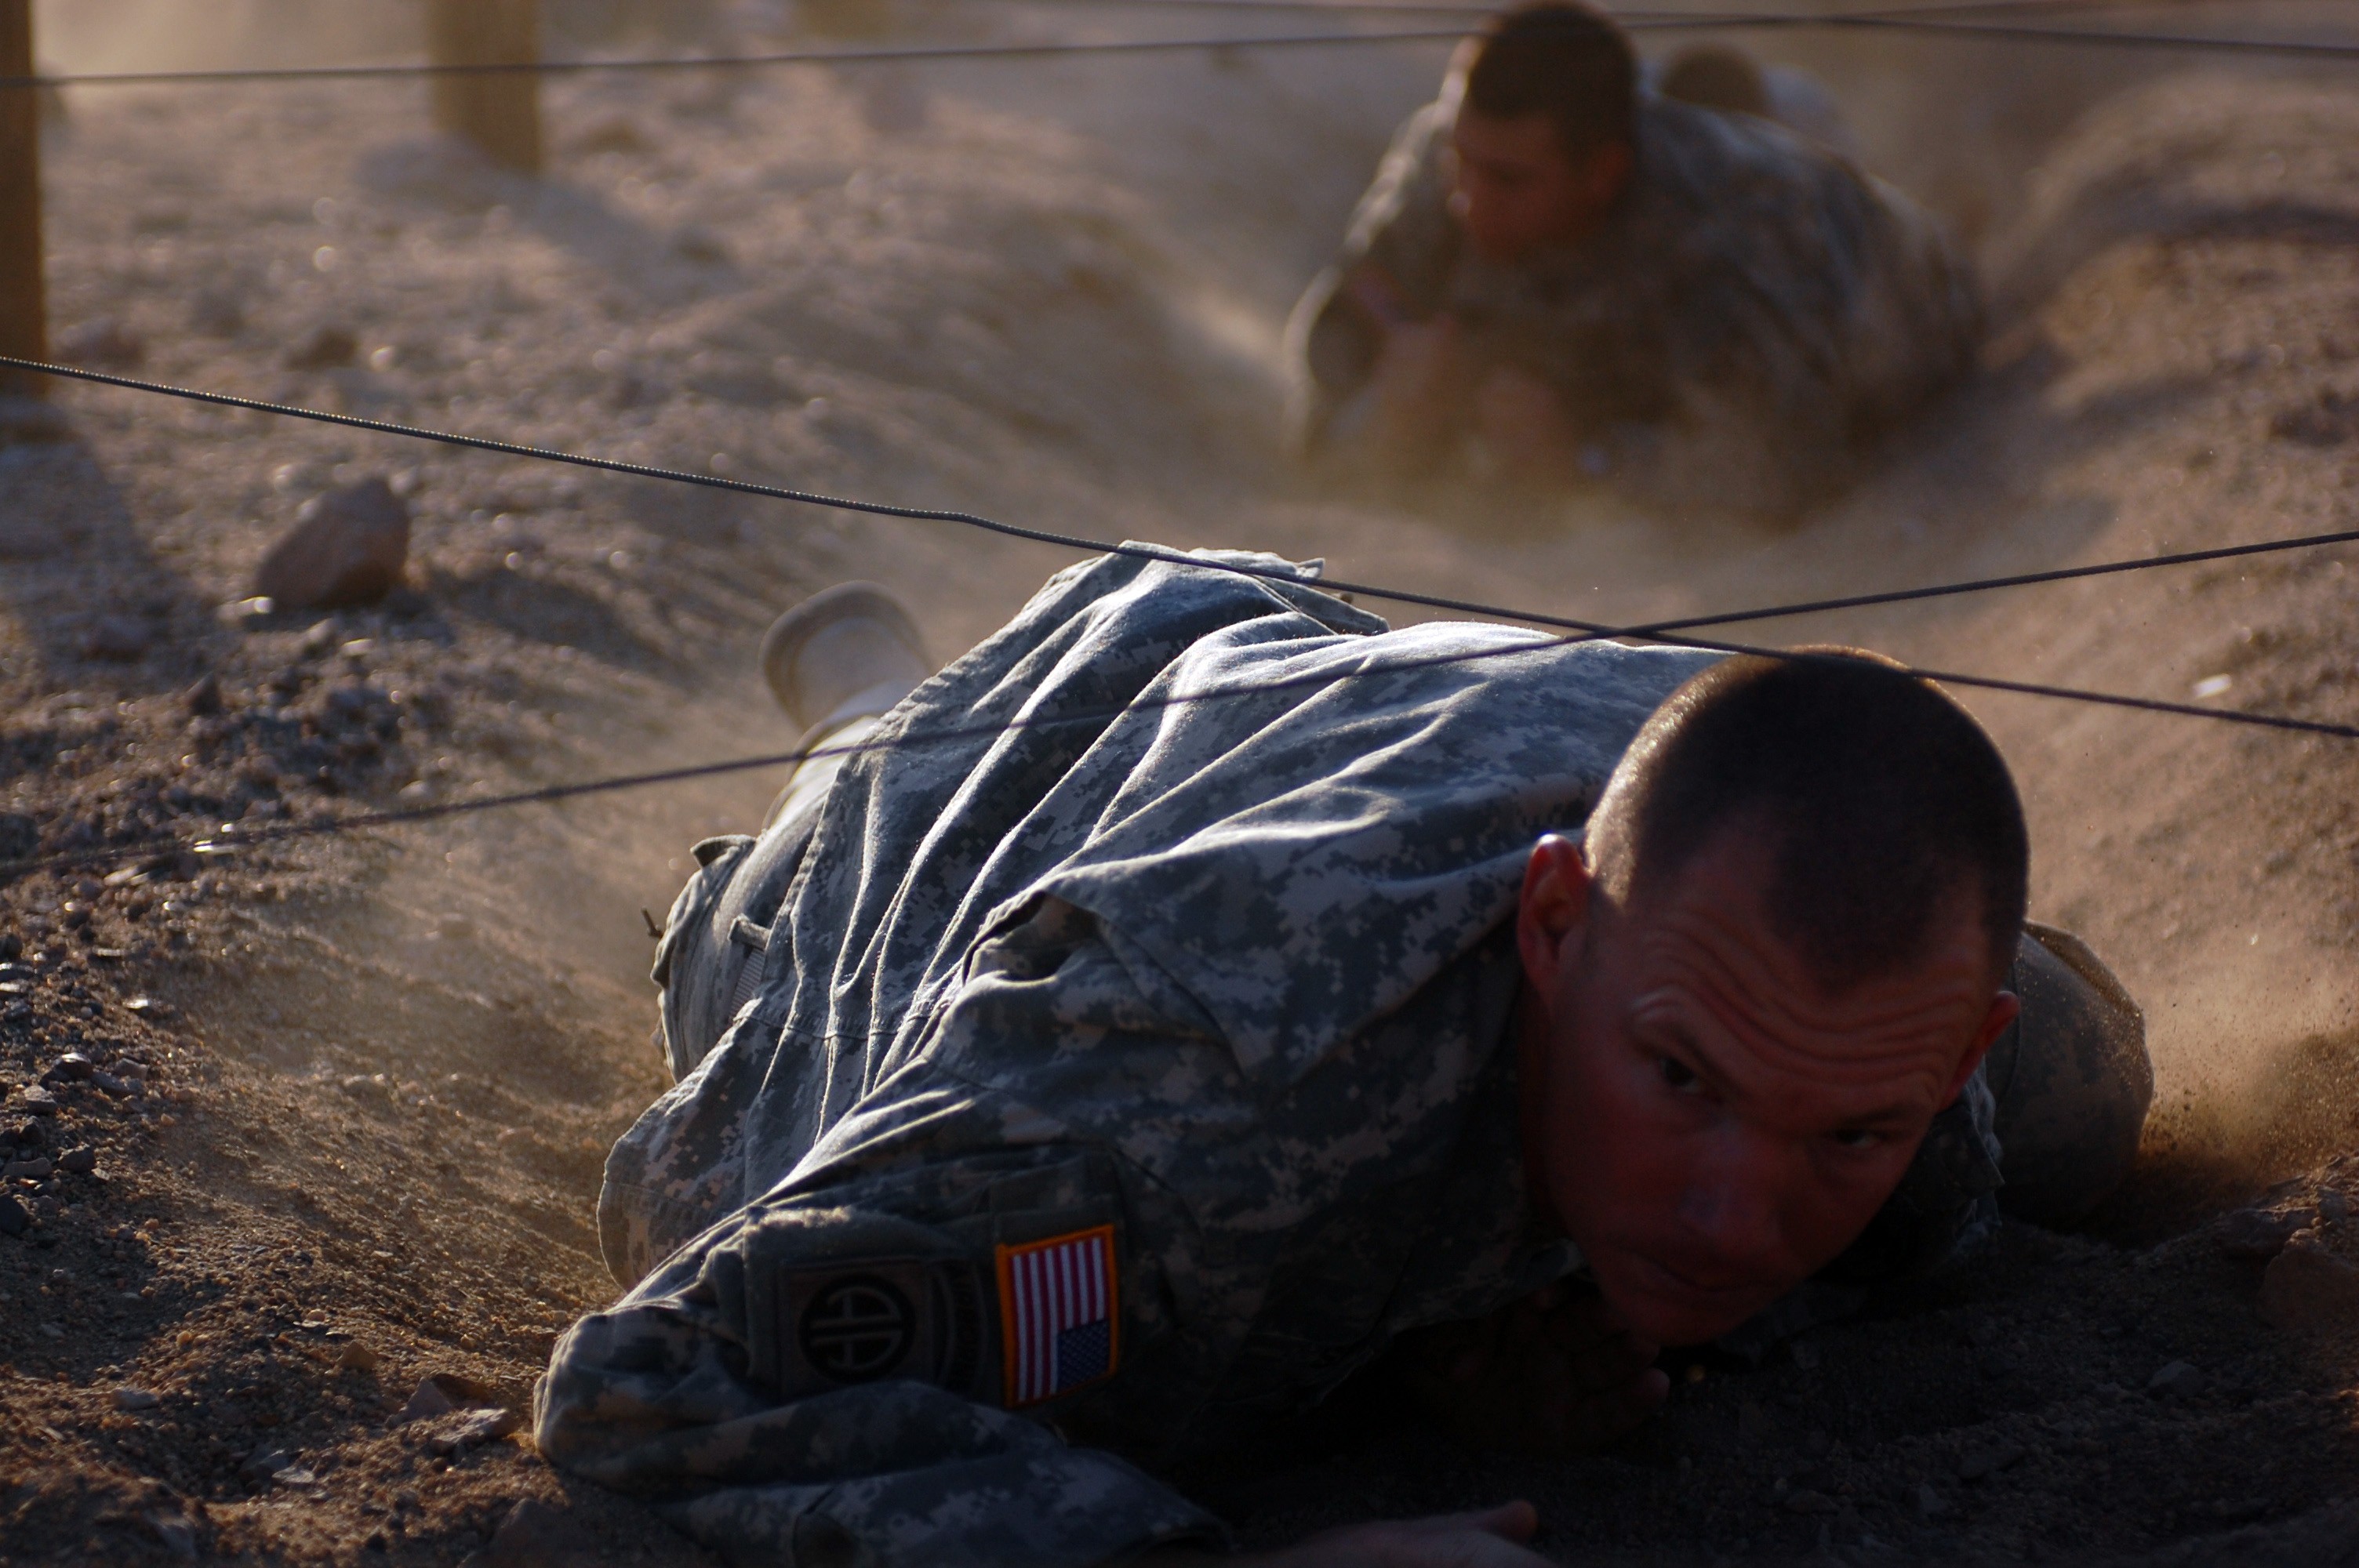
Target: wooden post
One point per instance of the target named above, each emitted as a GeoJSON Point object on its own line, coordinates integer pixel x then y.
{"type": "Point", "coordinates": [24, 294]}
{"type": "Point", "coordinates": [498, 110]}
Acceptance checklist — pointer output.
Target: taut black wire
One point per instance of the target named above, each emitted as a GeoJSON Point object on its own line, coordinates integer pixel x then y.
{"type": "Point", "coordinates": [1658, 631]}
{"type": "Point", "coordinates": [1671, 632]}
{"type": "Point", "coordinates": [234, 837]}
{"type": "Point", "coordinates": [1895, 22]}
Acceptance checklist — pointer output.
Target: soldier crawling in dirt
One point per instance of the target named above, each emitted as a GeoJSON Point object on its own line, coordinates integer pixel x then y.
{"type": "Point", "coordinates": [1560, 274]}
{"type": "Point", "coordinates": [1119, 1039]}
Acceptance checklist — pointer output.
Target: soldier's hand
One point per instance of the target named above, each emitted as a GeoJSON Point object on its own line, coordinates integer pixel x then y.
{"type": "Point", "coordinates": [1556, 1372]}
{"type": "Point", "coordinates": [1522, 426]}
{"type": "Point", "coordinates": [1491, 1538]}
{"type": "Point", "coordinates": [1421, 385]}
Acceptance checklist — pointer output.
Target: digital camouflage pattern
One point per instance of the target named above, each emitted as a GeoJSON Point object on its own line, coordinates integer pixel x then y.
{"type": "Point", "coordinates": [1754, 312]}
{"type": "Point", "coordinates": [1234, 976]}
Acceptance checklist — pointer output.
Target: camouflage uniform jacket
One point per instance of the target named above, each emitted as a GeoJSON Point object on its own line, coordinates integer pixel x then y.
{"type": "Point", "coordinates": [1205, 1003]}
{"type": "Point", "coordinates": [1753, 311]}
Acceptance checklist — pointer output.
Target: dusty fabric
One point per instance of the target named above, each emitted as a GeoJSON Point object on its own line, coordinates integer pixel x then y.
{"type": "Point", "coordinates": [1754, 312]}
{"type": "Point", "coordinates": [1227, 981]}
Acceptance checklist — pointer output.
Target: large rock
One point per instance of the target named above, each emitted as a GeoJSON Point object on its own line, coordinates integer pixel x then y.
{"type": "Point", "coordinates": [348, 546]}
{"type": "Point", "coordinates": [2309, 1290]}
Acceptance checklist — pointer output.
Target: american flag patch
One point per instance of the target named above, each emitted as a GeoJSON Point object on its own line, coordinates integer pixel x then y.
{"type": "Point", "coordinates": [1059, 1314]}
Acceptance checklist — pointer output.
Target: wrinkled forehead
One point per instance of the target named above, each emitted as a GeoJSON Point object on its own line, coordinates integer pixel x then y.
{"type": "Point", "coordinates": [1705, 956]}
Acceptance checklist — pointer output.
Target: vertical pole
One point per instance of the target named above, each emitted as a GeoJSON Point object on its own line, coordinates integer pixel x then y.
{"type": "Point", "coordinates": [498, 110]}
{"type": "Point", "coordinates": [24, 296]}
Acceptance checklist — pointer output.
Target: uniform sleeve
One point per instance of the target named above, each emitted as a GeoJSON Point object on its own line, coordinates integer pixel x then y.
{"type": "Point", "coordinates": [1402, 225]}
{"type": "Point", "coordinates": [861, 1366]}
{"type": "Point", "coordinates": [802, 1385]}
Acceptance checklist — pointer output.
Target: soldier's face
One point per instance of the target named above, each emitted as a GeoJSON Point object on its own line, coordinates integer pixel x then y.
{"type": "Point", "coordinates": [1709, 1124]}
{"type": "Point", "coordinates": [1515, 191]}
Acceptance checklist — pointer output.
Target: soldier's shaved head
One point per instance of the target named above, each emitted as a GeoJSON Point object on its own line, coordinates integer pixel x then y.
{"type": "Point", "coordinates": [1881, 802]}
{"type": "Point", "coordinates": [1567, 61]}
{"type": "Point", "coordinates": [1778, 958]}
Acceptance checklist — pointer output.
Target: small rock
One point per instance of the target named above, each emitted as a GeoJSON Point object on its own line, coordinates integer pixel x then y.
{"type": "Point", "coordinates": [445, 1392]}
{"type": "Point", "coordinates": [2257, 1234]}
{"type": "Point", "coordinates": [264, 1462]}
{"type": "Point", "coordinates": [2310, 1290]}
{"type": "Point", "coordinates": [174, 1531]}
{"type": "Point", "coordinates": [348, 546]}
{"type": "Point", "coordinates": [204, 698]}
{"type": "Point", "coordinates": [2178, 1380]}
{"type": "Point", "coordinates": [317, 638]}
{"type": "Point", "coordinates": [122, 638]}
{"type": "Point", "coordinates": [427, 1402]}
{"type": "Point", "coordinates": [295, 1476]}
{"type": "Point", "coordinates": [326, 347]}
{"type": "Point", "coordinates": [34, 1168]}
{"type": "Point", "coordinates": [1802, 1500]}
{"type": "Point", "coordinates": [537, 1535]}
{"type": "Point", "coordinates": [1981, 1462]}
{"type": "Point", "coordinates": [471, 1429]}
{"type": "Point", "coordinates": [37, 1101]}
{"type": "Point", "coordinates": [357, 1358]}
{"type": "Point", "coordinates": [101, 342]}
{"type": "Point", "coordinates": [1929, 1503]}
{"type": "Point", "coordinates": [2333, 1206]}
{"type": "Point", "coordinates": [14, 1220]}
{"type": "Point", "coordinates": [128, 1400]}
{"type": "Point", "coordinates": [73, 1067]}
{"type": "Point", "coordinates": [79, 1162]}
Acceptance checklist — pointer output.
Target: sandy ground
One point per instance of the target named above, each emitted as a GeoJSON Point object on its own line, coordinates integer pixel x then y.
{"type": "Point", "coordinates": [376, 1077]}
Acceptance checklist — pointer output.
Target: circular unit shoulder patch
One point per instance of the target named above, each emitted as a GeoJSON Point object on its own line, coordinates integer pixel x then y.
{"type": "Point", "coordinates": [857, 1329]}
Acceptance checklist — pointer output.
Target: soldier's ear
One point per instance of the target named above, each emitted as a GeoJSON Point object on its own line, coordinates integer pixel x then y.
{"type": "Point", "coordinates": [2004, 1008]}
{"type": "Point", "coordinates": [1553, 910]}
{"type": "Point", "coordinates": [1609, 172]}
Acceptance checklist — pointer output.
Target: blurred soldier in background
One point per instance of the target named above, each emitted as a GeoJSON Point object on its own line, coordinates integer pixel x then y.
{"type": "Point", "coordinates": [1717, 76]}
{"type": "Point", "coordinates": [1559, 275]}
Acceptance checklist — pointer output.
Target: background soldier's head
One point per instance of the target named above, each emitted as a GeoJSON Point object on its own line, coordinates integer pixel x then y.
{"type": "Point", "coordinates": [1714, 76]}
{"type": "Point", "coordinates": [1779, 952]}
{"type": "Point", "coordinates": [1546, 126]}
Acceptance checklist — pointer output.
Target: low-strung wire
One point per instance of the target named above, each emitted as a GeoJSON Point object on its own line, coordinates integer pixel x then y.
{"type": "Point", "coordinates": [1960, 27]}
{"type": "Point", "coordinates": [1673, 631]}
{"type": "Point", "coordinates": [1481, 10]}
{"type": "Point", "coordinates": [1660, 631]}
{"type": "Point", "coordinates": [235, 836]}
